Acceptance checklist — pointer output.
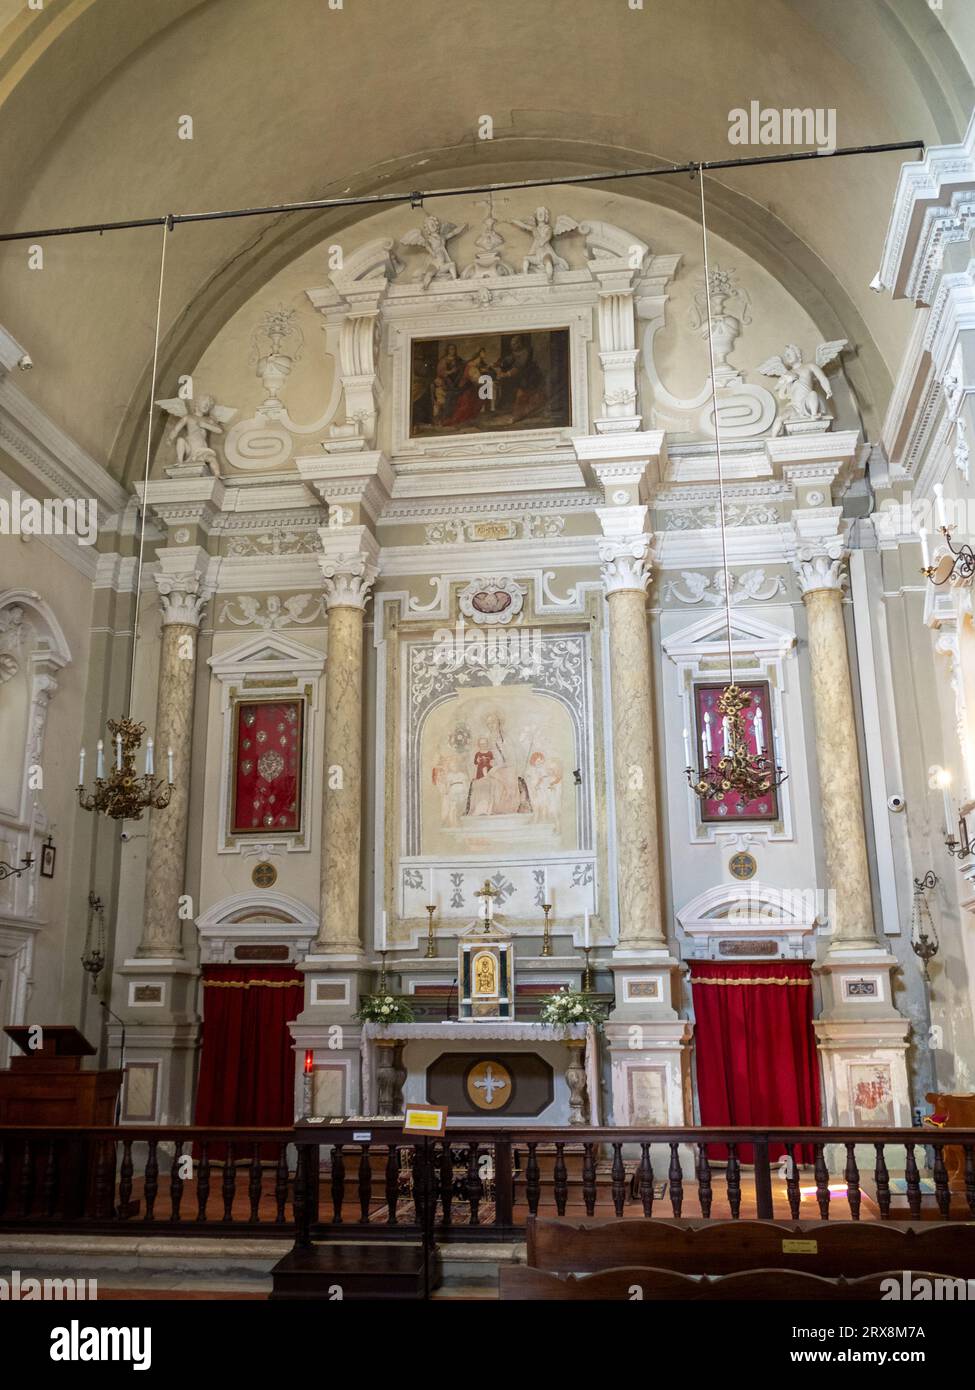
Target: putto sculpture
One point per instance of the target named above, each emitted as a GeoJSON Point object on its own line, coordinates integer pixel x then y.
{"type": "Point", "coordinates": [195, 421]}
{"type": "Point", "coordinates": [804, 385]}
{"type": "Point", "coordinates": [541, 254]}
{"type": "Point", "coordinates": [433, 236]}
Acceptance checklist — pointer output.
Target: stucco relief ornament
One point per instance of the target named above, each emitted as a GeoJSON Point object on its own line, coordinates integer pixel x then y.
{"type": "Point", "coordinates": [275, 347]}
{"type": "Point", "coordinates": [279, 612]}
{"type": "Point", "coordinates": [195, 421]}
{"type": "Point", "coordinates": [722, 288]}
{"type": "Point", "coordinates": [541, 255]}
{"type": "Point", "coordinates": [703, 588]}
{"type": "Point", "coordinates": [487, 259]}
{"type": "Point", "coordinates": [434, 236]}
{"type": "Point", "coordinates": [492, 601]}
{"type": "Point", "coordinates": [804, 386]}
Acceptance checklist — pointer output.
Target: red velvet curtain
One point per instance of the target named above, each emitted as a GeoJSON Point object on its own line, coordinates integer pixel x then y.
{"type": "Point", "coordinates": [247, 1066]}
{"type": "Point", "coordinates": [756, 1050]}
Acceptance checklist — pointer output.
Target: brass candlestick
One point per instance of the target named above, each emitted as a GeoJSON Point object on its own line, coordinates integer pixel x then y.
{"type": "Point", "coordinates": [382, 971]}
{"type": "Point", "coordinates": [546, 931]}
{"type": "Point", "coordinates": [431, 942]}
{"type": "Point", "coordinates": [588, 981]}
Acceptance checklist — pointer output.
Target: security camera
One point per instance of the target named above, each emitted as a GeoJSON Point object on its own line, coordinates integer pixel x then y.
{"type": "Point", "coordinates": [26, 362]}
{"type": "Point", "coordinates": [896, 802]}
{"type": "Point", "coordinates": [876, 284]}
{"type": "Point", "coordinates": [125, 835]}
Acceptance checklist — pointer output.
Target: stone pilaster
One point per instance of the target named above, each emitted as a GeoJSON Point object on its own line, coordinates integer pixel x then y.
{"type": "Point", "coordinates": [182, 599]}
{"type": "Point", "coordinates": [820, 572]}
{"type": "Point", "coordinates": [349, 567]}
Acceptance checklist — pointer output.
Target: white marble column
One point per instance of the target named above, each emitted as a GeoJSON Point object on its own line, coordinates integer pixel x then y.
{"type": "Point", "coordinates": [181, 603]}
{"type": "Point", "coordinates": [347, 581]}
{"type": "Point", "coordinates": [626, 574]}
{"type": "Point", "coordinates": [821, 577]}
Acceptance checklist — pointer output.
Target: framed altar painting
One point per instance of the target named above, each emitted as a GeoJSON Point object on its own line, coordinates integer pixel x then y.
{"type": "Point", "coordinates": [267, 746]}
{"type": "Point", "coordinates": [726, 808]}
{"type": "Point", "coordinates": [484, 383]}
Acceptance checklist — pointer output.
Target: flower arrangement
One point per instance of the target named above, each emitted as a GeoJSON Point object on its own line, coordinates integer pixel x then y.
{"type": "Point", "coordinates": [571, 1006]}
{"type": "Point", "coordinates": [384, 1008]}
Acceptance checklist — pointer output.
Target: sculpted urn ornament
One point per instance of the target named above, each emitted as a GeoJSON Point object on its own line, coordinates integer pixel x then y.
{"type": "Point", "coordinates": [804, 386]}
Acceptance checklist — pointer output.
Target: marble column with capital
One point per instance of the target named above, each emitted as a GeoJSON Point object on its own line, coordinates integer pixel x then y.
{"type": "Point", "coordinates": [182, 599]}
{"type": "Point", "coordinates": [348, 575]}
{"type": "Point", "coordinates": [626, 574]}
{"type": "Point", "coordinates": [821, 577]}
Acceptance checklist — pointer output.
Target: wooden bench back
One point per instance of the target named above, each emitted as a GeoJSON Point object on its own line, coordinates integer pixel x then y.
{"type": "Point", "coordinates": [638, 1282]}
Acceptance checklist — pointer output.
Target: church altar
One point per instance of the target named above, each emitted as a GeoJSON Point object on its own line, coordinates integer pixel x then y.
{"type": "Point", "coordinates": [515, 1072]}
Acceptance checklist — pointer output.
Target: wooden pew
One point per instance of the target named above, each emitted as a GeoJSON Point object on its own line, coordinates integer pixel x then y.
{"type": "Point", "coordinates": [640, 1283]}
{"type": "Point", "coordinates": [829, 1249]}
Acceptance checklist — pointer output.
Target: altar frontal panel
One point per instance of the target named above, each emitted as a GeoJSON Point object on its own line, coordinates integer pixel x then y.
{"type": "Point", "coordinates": [475, 1083]}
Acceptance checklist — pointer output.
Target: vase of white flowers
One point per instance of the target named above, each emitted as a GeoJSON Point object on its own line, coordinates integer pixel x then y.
{"type": "Point", "coordinates": [571, 1006]}
{"type": "Point", "coordinates": [384, 1008]}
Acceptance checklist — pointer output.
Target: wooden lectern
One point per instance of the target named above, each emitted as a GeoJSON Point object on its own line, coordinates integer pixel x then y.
{"type": "Point", "coordinates": [46, 1085]}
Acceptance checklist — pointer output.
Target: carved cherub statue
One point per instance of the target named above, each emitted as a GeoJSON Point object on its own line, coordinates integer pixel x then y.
{"type": "Point", "coordinates": [800, 383]}
{"type": "Point", "coordinates": [542, 254]}
{"type": "Point", "coordinates": [433, 236]}
{"type": "Point", "coordinates": [195, 421]}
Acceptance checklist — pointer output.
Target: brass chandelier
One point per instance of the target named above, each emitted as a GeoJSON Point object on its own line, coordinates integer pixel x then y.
{"type": "Point", "coordinates": [731, 766]}
{"type": "Point", "coordinates": [123, 794]}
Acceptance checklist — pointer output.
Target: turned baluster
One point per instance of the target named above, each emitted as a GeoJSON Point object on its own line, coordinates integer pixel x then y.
{"type": "Point", "coordinates": [446, 1181]}
{"type": "Point", "coordinates": [589, 1177]}
{"type": "Point", "coordinates": [533, 1178]}
{"type": "Point", "coordinates": [475, 1187]}
{"type": "Point", "coordinates": [619, 1179]}
{"type": "Point", "coordinates": [913, 1183]}
{"type": "Point", "coordinates": [255, 1183]}
{"type": "Point", "coordinates": [852, 1175]}
{"type": "Point", "coordinates": [151, 1186]}
{"type": "Point", "coordinates": [676, 1179]}
{"type": "Point", "coordinates": [733, 1180]}
{"type": "Point", "coordinates": [175, 1182]}
{"type": "Point", "coordinates": [942, 1192]}
{"type": "Point", "coordinates": [392, 1184]}
{"type": "Point", "coordinates": [281, 1185]}
{"type": "Point", "coordinates": [704, 1181]}
{"type": "Point", "coordinates": [969, 1178]}
{"type": "Point", "coordinates": [203, 1181]}
{"type": "Point", "coordinates": [3, 1176]}
{"type": "Point", "coordinates": [338, 1183]}
{"type": "Point", "coordinates": [26, 1179]}
{"type": "Point", "coordinates": [560, 1176]}
{"type": "Point", "coordinates": [822, 1181]}
{"type": "Point", "coordinates": [299, 1200]}
{"type": "Point", "coordinates": [365, 1183]}
{"type": "Point", "coordinates": [646, 1179]}
{"type": "Point", "coordinates": [49, 1187]}
{"type": "Point", "coordinates": [229, 1186]}
{"type": "Point", "coordinates": [792, 1182]}
{"type": "Point", "coordinates": [104, 1177]}
{"type": "Point", "coordinates": [126, 1170]}
{"type": "Point", "coordinates": [882, 1181]}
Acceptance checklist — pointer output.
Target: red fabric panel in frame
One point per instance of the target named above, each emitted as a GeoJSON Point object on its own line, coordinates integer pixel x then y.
{"type": "Point", "coordinates": [756, 1058]}
{"type": "Point", "coordinates": [706, 697]}
{"type": "Point", "coordinates": [268, 750]}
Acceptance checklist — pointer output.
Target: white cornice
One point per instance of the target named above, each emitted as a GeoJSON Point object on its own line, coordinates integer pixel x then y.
{"type": "Point", "coordinates": [402, 512]}
{"type": "Point", "coordinates": [60, 466]}
{"type": "Point", "coordinates": [436, 480]}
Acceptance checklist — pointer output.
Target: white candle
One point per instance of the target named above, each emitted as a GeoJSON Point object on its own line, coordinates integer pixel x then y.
{"type": "Point", "coordinates": [726, 736]}
{"type": "Point", "coordinates": [759, 731]}
{"type": "Point", "coordinates": [706, 736]}
{"type": "Point", "coordinates": [939, 503]}
{"type": "Point", "coordinates": [585, 930]}
{"type": "Point", "coordinates": [687, 748]}
{"type": "Point", "coordinates": [81, 769]}
{"type": "Point", "coordinates": [118, 751]}
{"type": "Point", "coordinates": [545, 897]}
{"type": "Point", "coordinates": [150, 760]}
{"type": "Point", "coordinates": [925, 555]}
{"type": "Point", "coordinates": [100, 759]}
{"type": "Point", "coordinates": [382, 933]}
{"type": "Point", "coordinates": [169, 760]}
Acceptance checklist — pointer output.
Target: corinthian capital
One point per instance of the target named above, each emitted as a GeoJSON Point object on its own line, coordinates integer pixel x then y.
{"type": "Point", "coordinates": [625, 564]}
{"type": "Point", "coordinates": [350, 564]}
{"type": "Point", "coordinates": [821, 567]}
{"type": "Point", "coordinates": [182, 598]}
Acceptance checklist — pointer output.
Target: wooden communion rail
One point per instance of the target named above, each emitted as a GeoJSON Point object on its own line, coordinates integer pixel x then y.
{"type": "Point", "coordinates": [367, 1181]}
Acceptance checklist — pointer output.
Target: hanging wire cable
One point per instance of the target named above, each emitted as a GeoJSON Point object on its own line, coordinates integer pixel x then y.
{"type": "Point", "coordinates": [717, 434]}
{"type": "Point", "coordinates": [167, 228]}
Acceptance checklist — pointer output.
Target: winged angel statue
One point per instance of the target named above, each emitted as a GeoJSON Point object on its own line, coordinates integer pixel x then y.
{"type": "Point", "coordinates": [194, 422]}
{"type": "Point", "coordinates": [800, 383]}
{"type": "Point", "coordinates": [541, 255]}
{"type": "Point", "coordinates": [433, 236]}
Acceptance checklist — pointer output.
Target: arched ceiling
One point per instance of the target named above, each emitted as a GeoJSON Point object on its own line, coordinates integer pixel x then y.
{"type": "Point", "coordinates": [299, 100]}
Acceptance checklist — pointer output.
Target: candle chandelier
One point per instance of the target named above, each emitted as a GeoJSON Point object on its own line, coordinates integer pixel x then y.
{"type": "Point", "coordinates": [123, 794]}
{"type": "Point", "coordinates": [735, 766]}
{"type": "Point", "coordinates": [958, 562]}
